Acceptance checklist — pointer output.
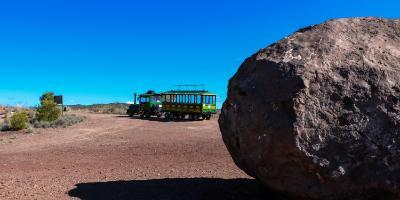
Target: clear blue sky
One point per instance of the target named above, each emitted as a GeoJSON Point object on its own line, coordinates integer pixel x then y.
{"type": "Point", "coordinates": [103, 51]}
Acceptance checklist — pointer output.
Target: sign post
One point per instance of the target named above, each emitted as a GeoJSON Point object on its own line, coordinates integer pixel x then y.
{"type": "Point", "coordinates": [59, 101]}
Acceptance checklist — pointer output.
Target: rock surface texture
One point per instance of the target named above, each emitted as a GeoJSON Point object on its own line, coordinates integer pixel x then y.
{"type": "Point", "coordinates": [317, 114]}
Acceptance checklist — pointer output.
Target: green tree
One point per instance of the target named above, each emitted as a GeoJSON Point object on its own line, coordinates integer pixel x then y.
{"type": "Point", "coordinates": [19, 120]}
{"type": "Point", "coordinates": [48, 110]}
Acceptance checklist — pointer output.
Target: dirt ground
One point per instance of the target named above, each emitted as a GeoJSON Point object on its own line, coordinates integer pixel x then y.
{"type": "Point", "coordinates": [116, 157]}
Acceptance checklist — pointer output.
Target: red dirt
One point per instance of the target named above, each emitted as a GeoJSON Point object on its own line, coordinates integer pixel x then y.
{"type": "Point", "coordinates": [115, 157]}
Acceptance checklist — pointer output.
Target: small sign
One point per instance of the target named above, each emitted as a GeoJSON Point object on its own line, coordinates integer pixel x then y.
{"type": "Point", "coordinates": [58, 99]}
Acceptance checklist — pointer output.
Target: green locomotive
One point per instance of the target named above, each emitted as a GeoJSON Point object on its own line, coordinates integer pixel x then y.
{"type": "Point", "coordinates": [176, 104]}
{"type": "Point", "coordinates": [149, 105]}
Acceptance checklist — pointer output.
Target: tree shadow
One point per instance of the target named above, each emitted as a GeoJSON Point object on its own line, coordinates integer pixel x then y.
{"type": "Point", "coordinates": [171, 189]}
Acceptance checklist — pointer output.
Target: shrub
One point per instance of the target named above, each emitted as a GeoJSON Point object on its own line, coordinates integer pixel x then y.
{"type": "Point", "coordinates": [41, 124]}
{"type": "Point", "coordinates": [68, 120]}
{"type": "Point", "coordinates": [19, 120]}
{"type": "Point", "coordinates": [30, 130]}
{"type": "Point", "coordinates": [113, 108]}
{"type": "Point", "coordinates": [48, 110]}
{"type": "Point", "coordinates": [4, 127]}
{"type": "Point", "coordinates": [62, 122]}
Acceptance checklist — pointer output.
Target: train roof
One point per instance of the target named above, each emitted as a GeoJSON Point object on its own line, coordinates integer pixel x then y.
{"type": "Point", "coordinates": [149, 93]}
{"type": "Point", "coordinates": [193, 92]}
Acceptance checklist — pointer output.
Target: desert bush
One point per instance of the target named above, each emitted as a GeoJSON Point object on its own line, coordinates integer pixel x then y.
{"type": "Point", "coordinates": [19, 120]}
{"type": "Point", "coordinates": [113, 108]}
{"type": "Point", "coordinates": [48, 110]}
{"type": "Point", "coordinates": [4, 126]}
{"type": "Point", "coordinates": [41, 124]}
{"type": "Point", "coordinates": [62, 122]}
{"type": "Point", "coordinates": [30, 129]}
{"type": "Point", "coordinates": [68, 120]}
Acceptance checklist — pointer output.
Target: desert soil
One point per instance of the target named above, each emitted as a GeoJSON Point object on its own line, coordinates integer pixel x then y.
{"type": "Point", "coordinates": [116, 157]}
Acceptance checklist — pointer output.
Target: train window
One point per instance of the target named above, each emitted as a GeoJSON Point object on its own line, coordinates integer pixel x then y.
{"type": "Point", "coordinates": [209, 99]}
{"type": "Point", "coordinates": [155, 98]}
{"type": "Point", "coordinates": [214, 99]}
{"type": "Point", "coordinates": [198, 99]}
{"type": "Point", "coordinates": [143, 99]}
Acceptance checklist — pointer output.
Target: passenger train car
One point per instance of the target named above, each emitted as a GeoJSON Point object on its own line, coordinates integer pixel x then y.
{"type": "Point", "coordinates": [176, 104]}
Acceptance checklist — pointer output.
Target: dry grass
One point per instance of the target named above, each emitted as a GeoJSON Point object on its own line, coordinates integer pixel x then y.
{"type": "Point", "coordinates": [113, 108]}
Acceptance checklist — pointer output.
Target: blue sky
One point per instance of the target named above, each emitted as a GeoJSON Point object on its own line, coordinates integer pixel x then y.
{"type": "Point", "coordinates": [103, 51]}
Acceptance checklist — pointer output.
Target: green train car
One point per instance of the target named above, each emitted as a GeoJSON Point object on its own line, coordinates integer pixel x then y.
{"type": "Point", "coordinates": [195, 104]}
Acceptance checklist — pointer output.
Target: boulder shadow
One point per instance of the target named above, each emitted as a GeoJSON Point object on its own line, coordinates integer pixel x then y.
{"type": "Point", "coordinates": [171, 189]}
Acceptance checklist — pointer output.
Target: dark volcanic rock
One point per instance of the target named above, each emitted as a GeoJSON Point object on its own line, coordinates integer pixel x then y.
{"type": "Point", "coordinates": [317, 115]}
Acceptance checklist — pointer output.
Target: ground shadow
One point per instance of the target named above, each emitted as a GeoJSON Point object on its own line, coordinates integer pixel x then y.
{"type": "Point", "coordinates": [171, 189]}
{"type": "Point", "coordinates": [162, 119]}
{"type": "Point", "coordinates": [121, 116]}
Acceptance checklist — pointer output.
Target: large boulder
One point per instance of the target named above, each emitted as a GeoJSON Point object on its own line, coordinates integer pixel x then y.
{"type": "Point", "coordinates": [317, 114]}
